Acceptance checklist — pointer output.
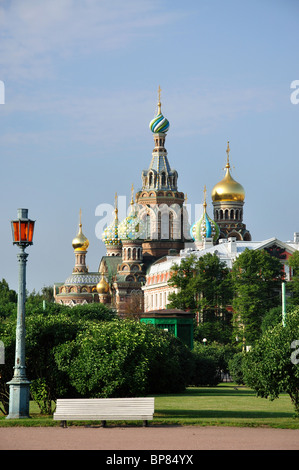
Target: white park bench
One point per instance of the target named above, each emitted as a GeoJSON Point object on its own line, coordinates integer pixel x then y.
{"type": "Point", "coordinates": [103, 409]}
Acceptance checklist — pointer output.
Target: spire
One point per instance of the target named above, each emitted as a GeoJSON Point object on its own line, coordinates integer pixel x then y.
{"type": "Point", "coordinates": [159, 100]}
{"type": "Point", "coordinates": [205, 199]}
{"type": "Point", "coordinates": [115, 208]}
{"type": "Point", "coordinates": [227, 152]}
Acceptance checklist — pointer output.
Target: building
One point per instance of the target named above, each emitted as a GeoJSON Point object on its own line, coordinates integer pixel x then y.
{"type": "Point", "coordinates": [141, 249]}
{"type": "Point", "coordinates": [81, 286]}
{"type": "Point", "coordinates": [156, 226]}
{"type": "Point", "coordinates": [156, 290]}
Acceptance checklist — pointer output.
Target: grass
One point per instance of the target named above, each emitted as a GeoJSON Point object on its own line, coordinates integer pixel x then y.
{"type": "Point", "coordinates": [224, 405]}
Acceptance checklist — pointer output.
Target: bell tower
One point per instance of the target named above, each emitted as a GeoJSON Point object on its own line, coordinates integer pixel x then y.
{"type": "Point", "coordinates": [162, 205]}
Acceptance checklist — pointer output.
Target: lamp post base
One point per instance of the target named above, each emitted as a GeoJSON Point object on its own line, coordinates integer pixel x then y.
{"type": "Point", "coordinates": [18, 398]}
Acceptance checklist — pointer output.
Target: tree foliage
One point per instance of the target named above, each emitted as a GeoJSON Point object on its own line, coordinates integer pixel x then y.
{"type": "Point", "coordinates": [85, 351]}
{"type": "Point", "coordinates": [204, 286]}
{"type": "Point", "coordinates": [257, 280]}
{"type": "Point", "coordinates": [293, 286]}
{"type": "Point", "coordinates": [124, 358]}
{"type": "Point", "coordinates": [272, 366]}
{"type": "Point", "coordinates": [46, 328]}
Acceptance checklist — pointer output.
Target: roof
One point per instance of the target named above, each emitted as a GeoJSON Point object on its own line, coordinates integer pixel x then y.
{"type": "Point", "coordinates": [226, 250]}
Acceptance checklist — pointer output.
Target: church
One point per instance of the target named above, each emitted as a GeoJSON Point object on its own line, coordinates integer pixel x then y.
{"type": "Point", "coordinates": [141, 249]}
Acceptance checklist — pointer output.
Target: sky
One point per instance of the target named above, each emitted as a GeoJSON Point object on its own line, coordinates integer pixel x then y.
{"type": "Point", "coordinates": [80, 85]}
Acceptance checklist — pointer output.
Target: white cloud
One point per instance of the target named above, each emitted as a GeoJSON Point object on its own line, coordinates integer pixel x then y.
{"type": "Point", "coordinates": [34, 32]}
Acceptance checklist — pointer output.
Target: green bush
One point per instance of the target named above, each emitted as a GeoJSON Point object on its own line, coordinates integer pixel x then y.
{"type": "Point", "coordinates": [236, 368]}
{"type": "Point", "coordinates": [205, 371]}
{"type": "Point", "coordinates": [123, 358]}
{"type": "Point", "coordinates": [271, 367]}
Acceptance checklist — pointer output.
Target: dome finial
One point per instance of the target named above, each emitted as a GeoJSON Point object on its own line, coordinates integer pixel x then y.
{"type": "Point", "coordinates": [159, 100]}
{"type": "Point", "coordinates": [116, 208]}
{"type": "Point", "coordinates": [205, 199]}
{"type": "Point", "coordinates": [227, 152]}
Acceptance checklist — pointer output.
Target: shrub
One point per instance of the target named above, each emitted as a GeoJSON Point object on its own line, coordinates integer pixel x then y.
{"type": "Point", "coordinates": [124, 358]}
{"type": "Point", "coordinates": [236, 368]}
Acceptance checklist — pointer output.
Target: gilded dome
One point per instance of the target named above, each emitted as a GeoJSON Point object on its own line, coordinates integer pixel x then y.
{"type": "Point", "coordinates": [103, 286]}
{"type": "Point", "coordinates": [80, 242]}
{"type": "Point", "coordinates": [228, 189]}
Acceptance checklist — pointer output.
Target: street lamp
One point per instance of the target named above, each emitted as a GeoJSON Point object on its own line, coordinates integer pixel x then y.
{"type": "Point", "coordinates": [22, 233]}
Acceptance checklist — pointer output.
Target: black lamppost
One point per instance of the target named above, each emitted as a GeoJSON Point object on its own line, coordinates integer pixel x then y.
{"type": "Point", "coordinates": [22, 233]}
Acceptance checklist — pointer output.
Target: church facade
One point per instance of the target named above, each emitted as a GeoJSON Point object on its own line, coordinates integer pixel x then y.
{"type": "Point", "coordinates": [140, 250]}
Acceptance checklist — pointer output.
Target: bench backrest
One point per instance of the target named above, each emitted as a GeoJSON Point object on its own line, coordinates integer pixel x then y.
{"type": "Point", "coordinates": [140, 406]}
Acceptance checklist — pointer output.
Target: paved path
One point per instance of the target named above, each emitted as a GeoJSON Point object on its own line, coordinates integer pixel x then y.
{"type": "Point", "coordinates": [150, 438]}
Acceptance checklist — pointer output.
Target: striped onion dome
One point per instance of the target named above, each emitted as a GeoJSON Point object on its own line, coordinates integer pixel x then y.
{"type": "Point", "coordinates": [159, 124]}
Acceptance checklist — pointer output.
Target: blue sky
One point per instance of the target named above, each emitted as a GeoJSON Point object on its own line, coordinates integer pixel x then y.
{"type": "Point", "coordinates": [81, 81]}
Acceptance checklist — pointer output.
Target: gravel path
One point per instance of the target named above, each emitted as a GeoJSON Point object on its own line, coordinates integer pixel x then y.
{"type": "Point", "coordinates": [150, 438]}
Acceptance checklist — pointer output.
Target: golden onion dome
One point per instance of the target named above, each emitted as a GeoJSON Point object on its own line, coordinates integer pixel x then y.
{"type": "Point", "coordinates": [228, 189]}
{"type": "Point", "coordinates": [102, 286]}
{"type": "Point", "coordinates": [80, 242]}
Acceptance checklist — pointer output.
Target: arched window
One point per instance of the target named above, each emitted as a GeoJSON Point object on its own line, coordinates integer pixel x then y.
{"type": "Point", "coordinates": [150, 179]}
{"type": "Point", "coordinates": [163, 179]}
{"type": "Point", "coordinates": [232, 214]}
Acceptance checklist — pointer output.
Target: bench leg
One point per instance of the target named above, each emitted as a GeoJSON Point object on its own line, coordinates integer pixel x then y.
{"type": "Point", "coordinates": [145, 423]}
{"type": "Point", "coordinates": [103, 424]}
{"type": "Point", "coordinates": [63, 424]}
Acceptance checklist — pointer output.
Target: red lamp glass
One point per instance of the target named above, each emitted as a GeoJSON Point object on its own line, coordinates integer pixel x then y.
{"type": "Point", "coordinates": [22, 229]}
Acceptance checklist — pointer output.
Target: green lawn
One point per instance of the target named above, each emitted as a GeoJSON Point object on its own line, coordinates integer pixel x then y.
{"type": "Point", "coordinates": [224, 405]}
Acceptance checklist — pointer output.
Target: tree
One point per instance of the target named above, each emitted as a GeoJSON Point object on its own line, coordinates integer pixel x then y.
{"type": "Point", "coordinates": [8, 300]}
{"type": "Point", "coordinates": [124, 358]}
{"type": "Point", "coordinates": [293, 285]}
{"type": "Point", "coordinates": [46, 329]}
{"type": "Point", "coordinates": [257, 280]}
{"type": "Point", "coordinates": [272, 366]}
{"type": "Point", "coordinates": [204, 286]}
{"type": "Point", "coordinates": [182, 278]}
